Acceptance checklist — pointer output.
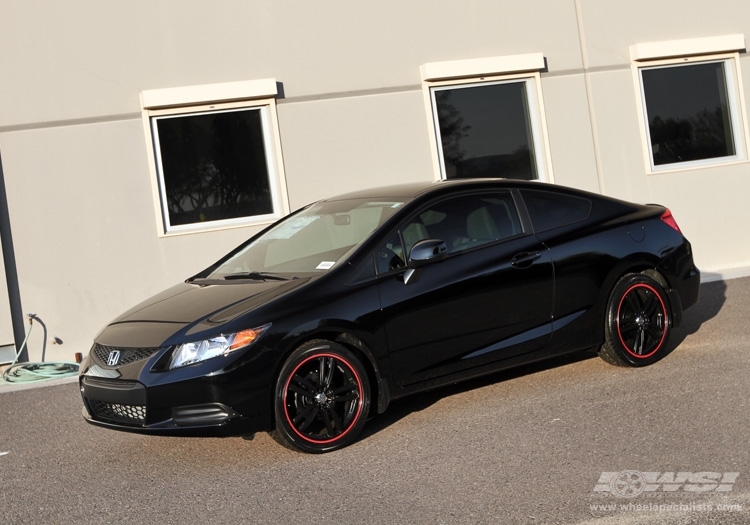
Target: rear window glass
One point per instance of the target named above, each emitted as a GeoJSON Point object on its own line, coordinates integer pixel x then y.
{"type": "Point", "coordinates": [552, 210]}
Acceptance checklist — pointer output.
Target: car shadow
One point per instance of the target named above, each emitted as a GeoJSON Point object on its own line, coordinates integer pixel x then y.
{"type": "Point", "coordinates": [712, 299]}
{"type": "Point", "coordinates": [403, 407]}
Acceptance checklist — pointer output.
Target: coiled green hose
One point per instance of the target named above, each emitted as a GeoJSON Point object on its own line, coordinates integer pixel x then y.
{"type": "Point", "coordinates": [28, 372]}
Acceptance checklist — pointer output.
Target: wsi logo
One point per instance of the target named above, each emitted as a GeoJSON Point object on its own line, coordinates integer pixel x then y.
{"type": "Point", "coordinates": [631, 483]}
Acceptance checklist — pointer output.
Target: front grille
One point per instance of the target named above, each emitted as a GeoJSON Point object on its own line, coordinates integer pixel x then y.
{"type": "Point", "coordinates": [128, 414]}
{"type": "Point", "coordinates": [127, 355]}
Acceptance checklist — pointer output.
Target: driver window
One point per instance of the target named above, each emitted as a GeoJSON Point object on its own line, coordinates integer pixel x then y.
{"type": "Point", "coordinates": [472, 220]}
{"type": "Point", "coordinates": [390, 256]}
{"type": "Point", "coordinates": [462, 222]}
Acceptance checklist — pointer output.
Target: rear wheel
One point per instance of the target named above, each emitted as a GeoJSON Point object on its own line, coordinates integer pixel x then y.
{"type": "Point", "coordinates": [637, 323]}
{"type": "Point", "coordinates": [322, 397]}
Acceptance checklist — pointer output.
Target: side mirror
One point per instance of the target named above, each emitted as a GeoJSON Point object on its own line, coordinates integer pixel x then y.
{"type": "Point", "coordinates": [428, 250]}
{"type": "Point", "coordinates": [424, 252]}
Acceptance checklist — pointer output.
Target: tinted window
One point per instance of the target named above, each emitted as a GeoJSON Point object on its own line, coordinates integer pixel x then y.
{"type": "Point", "coordinates": [485, 131]}
{"type": "Point", "coordinates": [390, 256]}
{"type": "Point", "coordinates": [213, 166]}
{"type": "Point", "coordinates": [462, 222]}
{"type": "Point", "coordinates": [550, 210]}
{"type": "Point", "coordinates": [688, 112]}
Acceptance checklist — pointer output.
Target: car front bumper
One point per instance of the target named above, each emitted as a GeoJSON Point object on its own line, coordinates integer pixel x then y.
{"type": "Point", "coordinates": [203, 399]}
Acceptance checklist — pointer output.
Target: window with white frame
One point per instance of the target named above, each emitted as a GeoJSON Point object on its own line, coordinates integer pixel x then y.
{"type": "Point", "coordinates": [488, 124]}
{"type": "Point", "coordinates": [691, 105]}
{"type": "Point", "coordinates": [216, 163]}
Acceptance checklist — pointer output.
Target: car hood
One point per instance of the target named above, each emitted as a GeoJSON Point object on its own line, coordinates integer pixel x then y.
{"type": "Point", "coordinates": [189, 310]}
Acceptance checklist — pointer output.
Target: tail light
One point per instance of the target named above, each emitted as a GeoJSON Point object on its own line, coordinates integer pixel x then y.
{"type": "Point", "coordinates": [668, 219]}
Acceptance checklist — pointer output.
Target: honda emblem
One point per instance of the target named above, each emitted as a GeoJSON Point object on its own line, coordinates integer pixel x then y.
{"type": "Point", "coordinates": [114, 358]}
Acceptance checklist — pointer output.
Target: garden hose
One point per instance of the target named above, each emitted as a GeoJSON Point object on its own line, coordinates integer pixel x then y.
{"type": "Point", "coordinates": [28, 372]}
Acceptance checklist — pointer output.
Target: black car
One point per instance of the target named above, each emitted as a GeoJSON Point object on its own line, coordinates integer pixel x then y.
{"type": "Point", "coordinates": [319, 321]}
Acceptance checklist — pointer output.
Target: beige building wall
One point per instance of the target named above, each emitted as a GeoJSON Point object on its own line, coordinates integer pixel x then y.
{"type": "Point", "coordinates": [352, 115]}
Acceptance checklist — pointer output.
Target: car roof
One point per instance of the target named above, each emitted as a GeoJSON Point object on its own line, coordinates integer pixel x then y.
{"type": "Point", "coordinates": [413, 190]}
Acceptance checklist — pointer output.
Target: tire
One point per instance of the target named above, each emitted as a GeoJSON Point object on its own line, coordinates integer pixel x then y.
{"type": "Point", "coordinates": [322, 398]}
{"type": "Point", "coordinates": [638, 322]}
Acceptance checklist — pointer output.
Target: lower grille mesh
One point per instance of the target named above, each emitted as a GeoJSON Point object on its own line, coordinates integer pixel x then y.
{"type": "Point", "coordinates": [129, 414]}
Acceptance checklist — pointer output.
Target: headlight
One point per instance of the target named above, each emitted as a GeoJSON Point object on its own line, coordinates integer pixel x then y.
{"type": "Point", "coordinates": [189, 353]}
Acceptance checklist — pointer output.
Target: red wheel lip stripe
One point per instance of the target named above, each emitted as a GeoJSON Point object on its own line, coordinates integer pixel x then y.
{"type": "Point", "coordinates": [359, 401]}
{"type": "Point", "coordinates": [664, 312]}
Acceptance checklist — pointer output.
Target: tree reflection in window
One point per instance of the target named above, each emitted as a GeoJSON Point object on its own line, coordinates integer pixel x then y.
{"type": "Point", "coordinates": [485, 130]}
{"type": "Point", "coordinates": [214, 166]}
{"type": "Point", "coordinates": [688, 112]}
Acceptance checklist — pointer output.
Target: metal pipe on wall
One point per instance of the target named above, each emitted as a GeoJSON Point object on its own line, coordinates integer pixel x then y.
{"type": "Point", "coordinates": [11, 273]}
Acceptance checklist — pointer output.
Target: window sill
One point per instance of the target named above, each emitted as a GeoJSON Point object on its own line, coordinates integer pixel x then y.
{"type": "Point", "coordinates": [696, 165]}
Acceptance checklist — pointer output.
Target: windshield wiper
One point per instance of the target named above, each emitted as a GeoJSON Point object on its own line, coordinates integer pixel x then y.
{"type": "Point", "coordinates": [255, 276]}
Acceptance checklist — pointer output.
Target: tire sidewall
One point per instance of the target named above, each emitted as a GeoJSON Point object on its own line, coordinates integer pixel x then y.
{"type": "Point", "coordinates": [612, 331]}
{"type": "Point", "coordinates": [304, 353]}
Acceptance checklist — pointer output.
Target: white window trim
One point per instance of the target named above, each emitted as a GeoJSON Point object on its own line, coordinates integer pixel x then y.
{"type": "Point", "coordinates": [481, 67]}
{"type": "Point", "coordinates": [688, 47]}
{"type": "Point", "coordinates": [208, 93]}
{"type": "Point", "coordinates": [510, 68]}
{"type": "Point", "coordinates": [191, 100]}
{"type": "Point", "coordinates": [735, 94]}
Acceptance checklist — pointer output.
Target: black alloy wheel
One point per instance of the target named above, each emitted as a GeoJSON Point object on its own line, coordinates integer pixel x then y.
{"type": "Point", "coordinates": [322, 397]}
{"type": "Point", "coordinates": [638, 322]}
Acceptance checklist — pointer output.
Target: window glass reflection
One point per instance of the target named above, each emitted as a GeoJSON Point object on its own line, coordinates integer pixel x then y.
{"type": "Point", "coordinates": [485, 131]}
{"type": "Point", "coordinates": [688, 112]}
{"type": "Point", "coordinates": [214, 166]}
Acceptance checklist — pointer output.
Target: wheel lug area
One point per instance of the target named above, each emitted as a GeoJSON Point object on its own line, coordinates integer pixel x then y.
{"type": "Point", "coordinates": [323, 398]}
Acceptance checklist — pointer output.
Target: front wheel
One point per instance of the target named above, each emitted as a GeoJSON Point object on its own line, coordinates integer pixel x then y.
{"type": "Point", "coordinates": [322, 397]}
{"type": "Point", "coordinates": [637, 323]}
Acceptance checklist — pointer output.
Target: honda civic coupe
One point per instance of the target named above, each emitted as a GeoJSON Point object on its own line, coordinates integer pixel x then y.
{"type": "Point", "coordinates": [316, 323]}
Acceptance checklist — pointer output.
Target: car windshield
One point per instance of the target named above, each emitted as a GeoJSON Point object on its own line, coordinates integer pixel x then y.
{"type": "Point", "coordinates": [316, 239]}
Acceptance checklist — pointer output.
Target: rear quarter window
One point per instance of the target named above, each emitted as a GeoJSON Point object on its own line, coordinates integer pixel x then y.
{"type": "Point", "coordinates": [549, 210]}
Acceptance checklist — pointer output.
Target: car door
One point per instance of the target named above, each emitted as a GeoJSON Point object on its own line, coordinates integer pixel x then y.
{"type": "Point", "coordinates": [490, 299]}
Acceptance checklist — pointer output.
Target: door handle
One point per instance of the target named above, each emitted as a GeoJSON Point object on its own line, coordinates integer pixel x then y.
{"type": "Point", "coordinates": [524, 259]}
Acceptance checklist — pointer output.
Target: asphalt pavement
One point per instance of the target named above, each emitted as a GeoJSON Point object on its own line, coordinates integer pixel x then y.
{"type": "Point", "coordinates": [571, 441]}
